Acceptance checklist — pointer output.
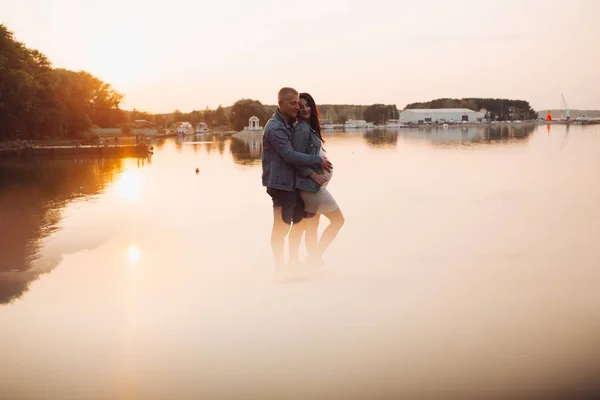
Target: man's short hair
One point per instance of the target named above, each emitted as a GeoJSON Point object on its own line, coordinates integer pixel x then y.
{"type": "Point", "coordinates": [283, 92]}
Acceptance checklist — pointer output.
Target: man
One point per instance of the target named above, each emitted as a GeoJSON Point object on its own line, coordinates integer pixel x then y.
{"type": "Point", "coordinates": [279, 176]}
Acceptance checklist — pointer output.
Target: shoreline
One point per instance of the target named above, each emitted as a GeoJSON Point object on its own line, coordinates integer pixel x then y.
{"type": "Point", "coordinates": [247, 134]}
{"type": "Point", "coordinates": [69, 151]}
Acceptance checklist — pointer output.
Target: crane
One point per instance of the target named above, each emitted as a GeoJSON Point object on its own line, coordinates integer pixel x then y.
{"type": "Point", "coordinates": [565, 107]}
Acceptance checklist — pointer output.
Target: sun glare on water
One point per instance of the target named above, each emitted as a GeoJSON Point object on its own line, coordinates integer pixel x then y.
{"type": "Point", "coordinates": [129, 185]}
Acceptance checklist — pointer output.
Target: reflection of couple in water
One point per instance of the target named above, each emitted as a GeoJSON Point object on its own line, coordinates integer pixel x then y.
{"type": "Point", "coordinates": [296, 172]}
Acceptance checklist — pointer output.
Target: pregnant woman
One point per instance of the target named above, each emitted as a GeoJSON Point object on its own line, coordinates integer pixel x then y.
{"type": "Point", "coordinates": [312, 184]}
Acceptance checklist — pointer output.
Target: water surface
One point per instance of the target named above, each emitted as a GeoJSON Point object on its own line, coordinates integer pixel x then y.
{"type": "Point", "coordinates": [468, 266]}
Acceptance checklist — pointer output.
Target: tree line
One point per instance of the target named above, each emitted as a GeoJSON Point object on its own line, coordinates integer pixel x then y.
{"type": "Point", "coordinates": [236, 116]}
{"type": "Point", "coordinates": [38, 101]}
{"type": "Point", "coordinates": [498, 109]}
{"type": "Point", "coordinates": [233, 117]}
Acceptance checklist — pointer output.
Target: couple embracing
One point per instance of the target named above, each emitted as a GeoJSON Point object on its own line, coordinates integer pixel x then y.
{"type": "Point", "coordinates": [296, 171]}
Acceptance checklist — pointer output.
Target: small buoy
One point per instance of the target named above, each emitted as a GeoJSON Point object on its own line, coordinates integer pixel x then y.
{"type": "Point", "coordinates": [197, 170]}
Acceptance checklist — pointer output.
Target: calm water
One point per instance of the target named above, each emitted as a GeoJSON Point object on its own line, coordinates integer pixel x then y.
{"type": "Point", "coordinates": [468, 266]}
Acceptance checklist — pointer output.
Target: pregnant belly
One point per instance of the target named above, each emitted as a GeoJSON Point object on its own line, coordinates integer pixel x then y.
{"type": "Point", "coordinates": [328, 175]}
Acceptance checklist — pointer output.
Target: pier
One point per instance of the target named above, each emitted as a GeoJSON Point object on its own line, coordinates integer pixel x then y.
{"type": "Point", "coordinates": [100, 151]}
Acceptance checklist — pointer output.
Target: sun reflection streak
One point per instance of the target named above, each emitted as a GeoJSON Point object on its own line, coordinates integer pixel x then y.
{"type": "Point", "coordinates": [129, 185]}
{"type": "Point", "coordinates": [133, 255]}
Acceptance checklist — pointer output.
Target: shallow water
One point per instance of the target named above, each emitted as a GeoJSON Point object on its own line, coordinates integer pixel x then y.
{"type": "Point", "coordinates": [468, 266]}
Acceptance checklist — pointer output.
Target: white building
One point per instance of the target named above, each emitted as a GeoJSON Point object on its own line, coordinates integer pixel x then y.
{"type": "Point", "coordinates": [437, 115]}
{"type": "Point", "coordinates": [253, 124]}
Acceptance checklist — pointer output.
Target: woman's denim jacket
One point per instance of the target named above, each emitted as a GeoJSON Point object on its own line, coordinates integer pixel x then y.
{"type": "Point", "coordinates": [306, 140]}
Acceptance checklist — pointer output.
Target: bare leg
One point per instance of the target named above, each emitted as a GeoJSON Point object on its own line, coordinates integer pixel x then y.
{"type": "Point", "coordinates": [337, 220]}
{"type": "Point", "coordinates": [312, 238]}
{"type": "Point", "coordinates": [278, 234]}
{"type": "Point", "coordinates": [295, 239]}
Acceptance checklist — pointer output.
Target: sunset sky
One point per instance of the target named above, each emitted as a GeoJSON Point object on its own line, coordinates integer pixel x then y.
{"type": "Point", "coordinates": [187, 55]}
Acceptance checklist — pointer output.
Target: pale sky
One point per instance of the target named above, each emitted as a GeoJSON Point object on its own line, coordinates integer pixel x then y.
{"type": "Point", "coordinates": [183, 54]}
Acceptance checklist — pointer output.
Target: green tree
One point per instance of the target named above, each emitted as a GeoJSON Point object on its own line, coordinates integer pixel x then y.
{"type": "Point", "coordinates": [38, 101]}
{"type": "Point", "coordinates": [219, 117]}
{"type": "Point", "coordinates": [243, 109]}
{"type": "Point", "coordinates": [208, 116]}
{"type": "Point", "coordinates": [195, 117]}
{"type": "Point", "coordinates": [135, 115]}
{"type": "Point", "coordinates": [379, 113]}
{"type": "Point", "coordinates": [177, 116]}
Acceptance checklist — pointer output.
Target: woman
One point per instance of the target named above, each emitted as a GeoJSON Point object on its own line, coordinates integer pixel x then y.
{"type": "Point", "coordinates": [312, 184]}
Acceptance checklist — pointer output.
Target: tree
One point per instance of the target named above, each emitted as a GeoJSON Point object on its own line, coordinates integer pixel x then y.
{"type": "Point", "coordinates": [208, 116]}
{"type": "Point", "coordinates": [243, 109]}
{"type": "Point", "coordinates": [177, 116]}
{"type": "Point", "coordinates": [104, 100]}
{"type": "Point", "coordinates": [379, 113]}
{"type": "Point", "coordinates": [135, 115]}
{"type": "Point", "coordinates": [38, 101]}
{"type": "Point", "coordinates": [219, 117]}
{"type": "Point", "coordinates": [195, 117]}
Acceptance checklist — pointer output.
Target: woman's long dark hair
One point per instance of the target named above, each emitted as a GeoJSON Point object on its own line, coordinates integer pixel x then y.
{"type": "Point", "coordinates": [313, 121]}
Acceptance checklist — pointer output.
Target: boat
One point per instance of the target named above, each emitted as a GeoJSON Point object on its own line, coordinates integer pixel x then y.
{"type": "Point", "coordinates": [184, 128]}
{"type": "Point", "coordinates": [394, 123]}
{"type": "Point", "coordinates": [566, 113]}
{"type": "Point", "coordinates": [201, 128]}
{"type": "Point", "coordinates": [326, 124]}
{"type": "Point", "coordinates": [358, 124]}
{"type": "Point", "coordinates": [584, 119]}
{"type": "Point", "coordinates": [331, 127]}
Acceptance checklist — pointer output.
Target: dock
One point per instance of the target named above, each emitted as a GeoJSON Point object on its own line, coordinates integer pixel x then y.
{"type": "Point", "coordinates": [94, 151]}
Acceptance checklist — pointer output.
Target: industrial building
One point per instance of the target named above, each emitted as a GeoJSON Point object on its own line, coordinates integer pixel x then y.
{"type": "Point", "coordinates": [437, 115]}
